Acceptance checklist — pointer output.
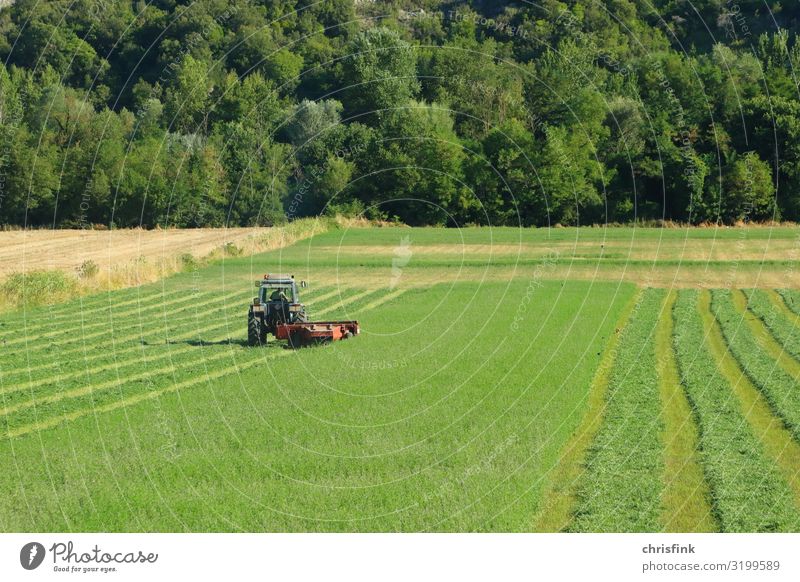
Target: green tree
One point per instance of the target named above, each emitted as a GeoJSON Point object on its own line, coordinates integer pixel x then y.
{"type": "Point", "coordinates": [749, 189]}
{"type": "Point", "coordinates": [380, 72]}
{"type": "Point", "coordinates": [188, 99]}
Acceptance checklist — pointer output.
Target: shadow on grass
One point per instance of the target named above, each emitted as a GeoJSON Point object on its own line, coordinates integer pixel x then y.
{"type": "Point", "coordinates": [273, 345]}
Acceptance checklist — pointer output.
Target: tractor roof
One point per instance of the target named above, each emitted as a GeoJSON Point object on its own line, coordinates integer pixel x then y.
{"type": "Point", "coordinates": [273, 276]}
{"type": "Point", "coordinates": [269, 278]}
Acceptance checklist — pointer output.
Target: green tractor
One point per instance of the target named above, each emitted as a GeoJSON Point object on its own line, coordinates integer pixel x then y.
{"type": "Point", "coordinates": [277, 303]}
{"type": "Point", "coordinates": [277, 310]}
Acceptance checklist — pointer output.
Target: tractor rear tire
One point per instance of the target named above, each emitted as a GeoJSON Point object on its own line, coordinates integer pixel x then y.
{"type": "Point", "coordinates": [256, 334]}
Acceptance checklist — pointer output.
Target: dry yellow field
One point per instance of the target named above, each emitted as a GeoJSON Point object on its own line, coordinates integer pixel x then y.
{"type": "Point", "coordinates": [67, 250]}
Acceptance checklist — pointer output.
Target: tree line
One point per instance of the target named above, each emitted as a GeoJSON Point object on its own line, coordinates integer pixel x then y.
{"type": "Point", "coordinates": [254, 112]}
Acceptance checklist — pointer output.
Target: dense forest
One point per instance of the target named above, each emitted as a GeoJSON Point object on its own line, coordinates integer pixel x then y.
{"type": "Point", "coordinates": [241, 112]}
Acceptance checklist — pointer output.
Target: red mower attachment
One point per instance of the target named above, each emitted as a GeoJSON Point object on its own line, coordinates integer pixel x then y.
{"type": "Point", "coordinates": [317, 332]}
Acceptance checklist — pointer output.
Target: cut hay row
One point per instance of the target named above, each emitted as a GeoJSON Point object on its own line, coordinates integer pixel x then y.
{"type": "Point", "coordinates": [110, 342]}
{"type": "Point", "coordinates": [83, 324]}
{"type": "Point", "coordinates": [748, 491]}
{"type": "Point", "coordinates": [66, 312]}
{"type": "Point", "coordinates": [345, 301]}
{"type": "Point", "coordinates": [560, 493]}
{"type": "Point", "coordinates": [38, 386]}
{"type": "Point", "coordinates": [781, 390]}
{"type": "Point", "coordinates": [791, 299]}
{"type": "Point", "coordinates": [686, 499]}
{"type": "Point", "coordinates": [97, 394]}
{"type": "Point", "coordinates": [178, 320]}
{"type": "Point", "coordinates": [144, 396]}
{"type": "Point", "coordinates": [783, 324]}
{"type": "Point", "coordinates": [621, 485]}
{"type": "Point", "coordinates": [183, 370]}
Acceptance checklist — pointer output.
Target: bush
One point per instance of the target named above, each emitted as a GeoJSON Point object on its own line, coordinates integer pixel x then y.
{"type": "Point", "coordinates": [38, 287]}
{"type": "Point", "coordinates": [88, 269]}
{"type": "Point", "coordinates": [229, 249]}
{"type": "Point", "coordinates": [189, 262]}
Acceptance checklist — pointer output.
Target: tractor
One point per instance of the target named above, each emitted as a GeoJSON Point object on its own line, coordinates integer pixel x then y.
{"type": "Point", "coordinates": [277, 310]}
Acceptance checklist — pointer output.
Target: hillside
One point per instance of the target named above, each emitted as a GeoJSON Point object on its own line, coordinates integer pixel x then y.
{"type": "Point", "coordinates": [255, 112]}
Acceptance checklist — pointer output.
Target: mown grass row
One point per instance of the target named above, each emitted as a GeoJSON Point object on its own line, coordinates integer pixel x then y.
{"type": "Point", "coordinates": [780, 389]}
{"type": "Point", "coordinates": [621, 486]}
{"type": "Point", "coordinates": [776, 320]}
{"type": "Point", "coordinates": [56, 334]}
{"type": "Point", "coordinates": [95, 399]}
{"type": "Point", "coordinates": [148, 347]}
{"type": "Point", "coordinates": [170, 331]}
{"type": "Point", "coordinates": [129, 337]}
{"type": "Point", "coordinates": [748, 492]}
{"type": "Point", "coordinates": [791, 299]}
{"type": "Point", "coordinates": [91, 305]}
{"type": "Point", "coordinates": [58, 321]}
{"type": "Point", "coordinates": [103, 386]}
{"type": "Point", "coordinates": [559, 500]}
{"type": "Point", "coordinates": [135, 331]}
{"type": "Point", "coordinates": [685, 500]}
{"type": "Point", "coordinates": [26, 361]}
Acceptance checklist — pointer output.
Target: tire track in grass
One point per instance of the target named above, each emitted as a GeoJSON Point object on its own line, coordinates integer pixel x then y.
{"type": "Point", "coordinates": [258, 358]}
{"type": "Point", "coordinates": [759, 356]}
{"type": "Point", "coordinates": [743, 447]}
{"type": "Point", "coordinates": [620, 487]}
{"type": "Point", "coordinates": [686, 499]}
{"type": "Point", "coordinates": [559, 494]}
{"type": "Point", "coordinates": [40, 384]}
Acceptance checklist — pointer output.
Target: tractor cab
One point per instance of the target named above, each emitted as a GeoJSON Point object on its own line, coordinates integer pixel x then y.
{"type": "Point", "coordinates": [277, 303]}
{"type": "Point", "coordinates": [271, 291]}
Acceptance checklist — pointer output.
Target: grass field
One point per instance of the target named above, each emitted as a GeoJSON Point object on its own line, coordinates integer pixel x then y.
{"type": "Point", "coordinates": [505, 380]}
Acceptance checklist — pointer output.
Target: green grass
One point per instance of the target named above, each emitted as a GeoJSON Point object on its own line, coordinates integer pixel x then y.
{"type": "Point", "coordinates": [748, 492]}
{"type": "Point", "coordinates": [685, 500]}
{"type": "Point", "coordinates": [784, 330]}
{"type": "Point", "coordinates": [791, 299]}
{"type": "Point", "coordinates": [474, 400]}
{"type": "Point", "coordinates": [37, 287]}
{"type": "Point", "coordinates": [621, 486]}
{"type": "Point", "coordinates": [780, 389]}
{"type": "Point", "coordinates": [151, 416]}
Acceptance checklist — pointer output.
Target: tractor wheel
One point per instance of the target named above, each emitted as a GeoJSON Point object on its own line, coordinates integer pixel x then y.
{"type": "Point", "coordinates": [293, 342]}
{"type": "Point", "coordinates": [255, 334]}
